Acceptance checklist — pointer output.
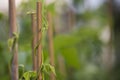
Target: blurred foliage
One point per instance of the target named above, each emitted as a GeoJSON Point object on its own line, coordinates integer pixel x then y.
{"type": "Point", "coordinates": [4, 54]}
{"type": "Point", "coordinates": [77, 3]}
{"type": "Point", "coordinates": [80, 48]}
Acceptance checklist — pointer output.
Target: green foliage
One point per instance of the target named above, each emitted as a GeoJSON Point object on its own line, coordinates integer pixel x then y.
{"type": "Point", "coordinates": [27, 6]}
{"type": "Point", "coordinates": [77, 48]}
{"type": "Point", "coordinates": [47, 68]}
{"type": "Point", "coordinates": [78, 2]}
{"type": "Point", "coordinates": [4, 57]}
{"type": "Point", "coordinates": [30, 75]}
{"type": "Point", "coordinates": [33, 75]}
{"type": "Point", "coordinates": [85, 39]}
{"type": "Point", "coordinates": [71, 57]}
{"type": "Point", "coordinates": [1, 16]}
{"type": "Point", "coordinates": [62, 41]}
{"type": "Point", "coordinates": [21, 70]}
{"type": "Point", "coordinates": [51, 8]}
{"type": "Point", "coordinates": [44, 15]}
{"type": "Point", "coordinates": [44, 68]}
{"type": "Point", "coordinates": [12, 41]}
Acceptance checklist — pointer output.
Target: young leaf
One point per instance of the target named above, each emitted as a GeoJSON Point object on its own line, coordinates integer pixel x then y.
{"type": "Point", "coordinates": [21, 70]}
{"type": "Point", "coordinates": [16, 35]}
{"type": "Point", "coordinates": [10, 43]}
{"type": "Point", "coordinates": [49, 68]}
{"type": "Point", "coordinates": [12, 40]}
{"type": "Point", "coordinates": [30, 75]}
{"type": "Point", "coordinates": [52, 69]}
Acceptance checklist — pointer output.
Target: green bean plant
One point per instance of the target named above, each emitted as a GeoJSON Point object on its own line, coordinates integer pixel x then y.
{"type": "Point", "coordinates": [45, 68]}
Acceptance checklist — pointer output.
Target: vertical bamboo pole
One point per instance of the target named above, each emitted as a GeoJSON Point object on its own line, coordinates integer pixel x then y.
{"type": "Point", "coordinates": [110, 43]}
{"type": "Point", "coordinates": [51, 48]}
{"type": "Point", "coordinates": [71, 20]}
{"type": "Point", "coordinates": [61, 65]}
{"type": "Point", "coordinates": [39, 36]}
{"type": "Point", "coordinates": [13, 28]}
{"type": "Point", "coordinates": [34, 41]}
{"type": "Point", "coordinates": [57, 23]}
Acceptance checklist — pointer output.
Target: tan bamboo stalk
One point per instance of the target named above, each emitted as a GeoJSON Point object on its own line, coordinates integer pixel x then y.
{"type": "Point", "coordinates": [61, 66]}
{"type": "Point", "coordinates": [13, 28]}
{"type": "Point", "coordinates": [34, 41]}
{"type": "Point", "coordinates": [56, 22]}
{"type": "Point", "coordinates": [110, 43]}
{"type": "Point", "coordinates": [39, 36]}
{"type": "Point", "coordinates": [71, 19]}
{"type": "Point", "coordinates": [50, 40]}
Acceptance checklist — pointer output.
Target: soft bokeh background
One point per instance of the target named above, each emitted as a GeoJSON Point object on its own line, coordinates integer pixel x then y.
{"type": "Point", "coordinates": [82, 38]}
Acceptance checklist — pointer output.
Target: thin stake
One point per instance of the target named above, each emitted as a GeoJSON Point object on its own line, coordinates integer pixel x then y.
{"type": "Point", "coordinates": [51, 48]}
{"type": "Point", "coordinates": [39, 36]}
{"type": "Point", "coordinates": [34, 41]}
{"type": "Point", "coordinates": [13, 28]}
{"type": "Point", "coordinates": [71, 20]}
{"type": "Point", "coordinates": [61, 65]}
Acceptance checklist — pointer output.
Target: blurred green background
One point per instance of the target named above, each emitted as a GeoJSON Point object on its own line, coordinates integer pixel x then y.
{"type": "Point", "coordinates": [82, 37]}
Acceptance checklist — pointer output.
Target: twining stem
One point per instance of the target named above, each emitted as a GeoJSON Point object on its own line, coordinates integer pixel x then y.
{"type": "Point", "coordinates": [13, 28]}
{"type": "Point", "coordinates": [39, 36]}
{"type": "Point", "coordinates": [34, 41]}
{"type": "Point", "coordinates": [51, 48]}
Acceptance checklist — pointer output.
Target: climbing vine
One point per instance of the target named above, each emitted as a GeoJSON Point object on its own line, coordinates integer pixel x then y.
{"type": "Point", "coordinates": [44, 68]}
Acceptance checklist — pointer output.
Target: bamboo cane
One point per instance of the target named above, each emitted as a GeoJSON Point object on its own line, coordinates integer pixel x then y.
{"type": "Point", "coordinates": [39, 36]}
{"type": "Point", "coordinates": [13, 28]}
{"type": "Point", "coordinates": [71, 20]}
{"type": "Point", "coordinates": [51, 48]}
{"type": "Point", "coordinates": [34, 41]}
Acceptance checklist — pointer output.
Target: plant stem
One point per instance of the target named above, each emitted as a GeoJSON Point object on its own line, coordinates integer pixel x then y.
{"type": "Point", "coordinates": [13, 28]}
{"type": "Point", "coordinates": [39, 36]}
{"type": "Point", "coordinates": [51, 48]}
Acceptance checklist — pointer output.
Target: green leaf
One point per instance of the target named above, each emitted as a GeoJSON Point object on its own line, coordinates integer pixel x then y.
{"type": "Point", "coordinates": [10, 43]}
{"type": "Point", "coordinates": [71, 57]}
{"type": "Point", "coordinates": [30, 75]}
{"type": "Point", "coordinates": [52, 69]}
{"type": "Point", "coordinates": [26, 76]}
{"type": "Point", "coordinates": [47, 68]}
{"type": "Point", "coordinates": [12, 40]}
{"type": "Point", "coordinates": [62, 41]}
{"type": "Point", "coordinates": [21, 70]}
{"type": "Point", "coordinates": [37, 45]}
{"type": "Point", "coordinates": [16, 35]}
{"type": "Point", "coordinates": [51, 8]}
